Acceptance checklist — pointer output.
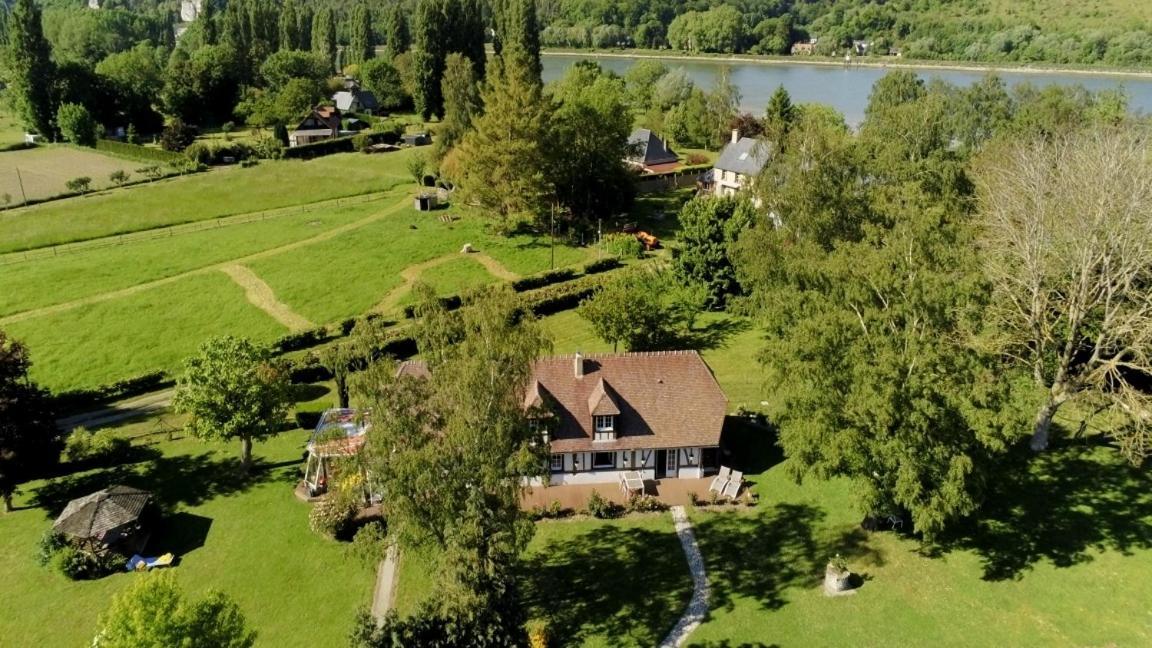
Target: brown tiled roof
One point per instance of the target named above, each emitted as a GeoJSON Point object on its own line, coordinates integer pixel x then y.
{"type": "Point", "coordinates": [600, 401]}
{"type": "Point", "coordinates": [665, 399]}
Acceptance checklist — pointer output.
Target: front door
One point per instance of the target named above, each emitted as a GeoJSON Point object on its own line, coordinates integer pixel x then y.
{"type": "Point", "coordinates": [661, 462]}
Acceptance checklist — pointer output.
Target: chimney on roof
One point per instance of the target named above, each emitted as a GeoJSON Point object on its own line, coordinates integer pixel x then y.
{"type": "Point", "coordinates": [735, 135]}
{"type": "Point", "coordinates": [578, 365]}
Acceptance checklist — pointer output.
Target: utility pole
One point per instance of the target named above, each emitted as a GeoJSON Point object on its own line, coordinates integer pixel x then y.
{"type": "Point", "coordinates": [552, 232]}
{"type": "Point", "coordinates": [599, 238]}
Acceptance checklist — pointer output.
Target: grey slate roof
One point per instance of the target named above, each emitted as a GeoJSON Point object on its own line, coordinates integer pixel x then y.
{"type": "Point", "coordinates": [94, 515]}
{"type": "Point", "coordinates": [746, 157]}
{"type": "Point", "coordinates": [648, 149]}
{"type": "Point", "coordinates": [344, 100]}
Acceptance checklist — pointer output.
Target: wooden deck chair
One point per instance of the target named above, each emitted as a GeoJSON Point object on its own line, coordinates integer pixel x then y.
{"type": "Point", "coordinates": [720, 480]}
{"type": "Point", "coordinates": [732, 488]}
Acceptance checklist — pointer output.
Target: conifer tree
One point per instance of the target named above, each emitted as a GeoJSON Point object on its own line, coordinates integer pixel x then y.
{"type": "Point", "coordinates": [461, 103]}
{"type": "Point", "coordinates": [208, 19]}
{"type": "Point", "coordinates": [502, 161]}
{"type": "Point", "coordinates": [361, 44]}
{"type": "Point", "coordinates": [30, 68]}
{"type": "Point", "coordinates": [466, 32]}
{"type": "Point", "coordinates": [304, 17]}
{"type": "Point", "coordinates": [324, 34]}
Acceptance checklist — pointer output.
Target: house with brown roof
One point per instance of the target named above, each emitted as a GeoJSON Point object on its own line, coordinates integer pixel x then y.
{"type": "Point", "coordinates": [658, 413]}
{"type": "Point", "coordinates": [321, 124]}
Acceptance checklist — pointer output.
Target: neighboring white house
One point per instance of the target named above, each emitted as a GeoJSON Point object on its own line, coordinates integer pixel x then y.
{"type": "Point", "coordinates": [658, 413]}
{"type": "Point", "coordinates": [739, 164]}
{"type": "Point", "coordinates": [190, 10]}
{"type": "Point", "coordinates": [355, 100]}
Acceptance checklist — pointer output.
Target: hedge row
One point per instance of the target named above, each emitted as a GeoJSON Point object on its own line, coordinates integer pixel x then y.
{"type": "Point", "coordinates": [601, 265]}
{"type": "Point", "coordinates": [543, 279]}
{"type": "Point", "coordinates": [142, 153]}
{"type": "Point", "coordinates": [451, 302]}
{"type": "Point", "coordinates": [337, 145]}
{"type": "Point", "coordinates": [301, 340]}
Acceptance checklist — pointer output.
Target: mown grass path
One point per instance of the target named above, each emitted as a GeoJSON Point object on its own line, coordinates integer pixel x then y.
{"type": "Point", "coordinates": [260, 295]}
{"type": "Point", "coordinates": [124, 292]}
{"type": "Point", "coordinates": [412, 273]}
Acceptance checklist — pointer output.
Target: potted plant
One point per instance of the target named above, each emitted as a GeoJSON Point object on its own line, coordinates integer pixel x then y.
{"type": "Point", "coordinates": [837, 577]}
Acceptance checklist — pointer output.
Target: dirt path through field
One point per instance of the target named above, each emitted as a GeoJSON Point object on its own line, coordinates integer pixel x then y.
{"type": "Point", "coordinates": [260, 295]}
{"type": "Point", "coordinates": [132, 290]}
{"type": "Point", "coordinates": [412, 273]}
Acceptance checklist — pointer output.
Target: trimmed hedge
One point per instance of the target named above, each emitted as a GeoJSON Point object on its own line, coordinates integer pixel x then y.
{"type": "Point", "coordinates": [451, 302]}
{"type": "Point", "coordinates": [137, 152]}
{"type": "Point", "coordinates": [301, 340]}
{"type": "Point", "coordinates": [602, 265]}
{"type": "Point", "coordinates": [336, 145]}
{"type": "Point", "coordinates": [543, 279]}
{"type": "Point", "coordinates": [561, 297]}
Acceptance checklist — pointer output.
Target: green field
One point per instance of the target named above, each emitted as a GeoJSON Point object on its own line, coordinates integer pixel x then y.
{"type": "Point", "coordinates": [249, 539]}
{"type": "Point", "coordinates": [147, 331]}
{"type": "Point", "coordinates": [220, 192]}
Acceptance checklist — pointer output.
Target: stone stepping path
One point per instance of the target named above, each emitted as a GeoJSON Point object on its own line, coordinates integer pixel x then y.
{"type": "Point", "coordinates": [384, 593]}
{"type": "Point", "coordinates": [698, 605]}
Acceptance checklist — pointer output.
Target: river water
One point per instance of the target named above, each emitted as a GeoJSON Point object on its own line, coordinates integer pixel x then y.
{"type": "Point", "coordinates": [846, 88]}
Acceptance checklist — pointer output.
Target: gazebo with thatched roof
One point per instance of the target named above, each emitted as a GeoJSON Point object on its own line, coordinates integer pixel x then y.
{"type": "Point", "coordinates": [106, 517]}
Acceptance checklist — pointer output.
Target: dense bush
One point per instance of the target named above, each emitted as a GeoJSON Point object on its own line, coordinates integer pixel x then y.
{"type": "Point", "coordinates": [216, 152]}
{"type": "Point", "coordinates": [83, 445]}
{"type": "Point", "coordinates": [646, 504]}
{"type": "Point", "coordinates": [552, 511]}
{"type": "Point", "coordinates": [301, 340]}
{"type": "Point", "coordinates": [560, 297]}
{"type": "Point", "coordinates": [59, 554]}
{"type": "Point", "coordinates": [543, 279]}
{"type": "Point", "coordinates": [370, 544]}
{"type": "Point", "coordinates": [79, 185]}
{"type": "Point", "coordinates": [622, 245]}
{"type": "Point", "coordinates": [136, 152]}
{"type": "Point", "coordinates": [602, 509]}
{"type": "Point", "coordinates": [601, 265]}
{"type": "Point", "coordinates": [451, 302]}
{"type": "Point", "coordinates": [333, 515]}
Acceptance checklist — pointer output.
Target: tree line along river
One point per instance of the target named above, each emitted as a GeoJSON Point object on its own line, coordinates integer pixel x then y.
{"type": "Point", "coordinates": [846, 88]}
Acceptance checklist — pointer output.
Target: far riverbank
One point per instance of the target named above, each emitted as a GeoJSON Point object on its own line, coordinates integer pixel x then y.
{"type": "Point", "coordinates": [889, 62]}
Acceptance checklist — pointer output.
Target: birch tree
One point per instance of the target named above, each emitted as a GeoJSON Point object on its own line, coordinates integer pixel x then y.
{"type": "Point", "coordinates": [1067, 245]}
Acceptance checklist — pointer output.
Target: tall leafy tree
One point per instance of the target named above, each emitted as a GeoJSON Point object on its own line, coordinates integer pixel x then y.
{"type": "Point", "coordinates": [709, 226]}
{"type": "Point", "coordinates": [289, 35]}
{"type": "Point", "coordinates": [590, 127]}
{"type": "Point", "coordinates": [869, 349]}
{"type": "Point", "coordinates": [466, 28]}
{"type": "Point", "coordinates": [232, 389]}
{"type": "Point", "coordinates": [1067, 245]}
{"type": "Point", "coordinates": [383, 80]}
{"type": "Point", "coordinates": [304, 18]}
{"type": "Point", "coordinates": [361, 41]}
{"type": "Point", "coordinates": [450, 451]}
{"type": "Point", "coordinates": [517, 31]}
{"type": "Point", "coordinates": [29, 438]}
{"type": "Point", "coordinates": [461, 103]}
{"type": "Point", "coordinates": [153, 612]}
{"type": "Point", "coordinates": [30, 71]}
{"type": "Point", "coordinates": [429, 54]}
{"type": "Point", "coordinates": [324, 34]}
{"type": "Point", "coordinates": [502, 163]}
{"type": "Point", "coordinates": [637, 310]}
{"type": "Point", "coordinates": [397, 39]}
{"type": "Point", "coordinates": [723, 105]}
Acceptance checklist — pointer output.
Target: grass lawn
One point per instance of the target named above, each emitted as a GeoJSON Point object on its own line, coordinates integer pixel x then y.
{"type": "Point", "coordinates": [153, 329]}
{"type": "Point", "coordinates": [247, 538]}
{"type": "Point", "coordinates": [351, 273]}
{"type": "Point", "coordinates": [597, 583]}
{"type": "Point", "coordinates": [220, 192]}
{"type": "Point", "coordinates": [55, 280]}
{"type": "Point", "coordinates": [44, 171]}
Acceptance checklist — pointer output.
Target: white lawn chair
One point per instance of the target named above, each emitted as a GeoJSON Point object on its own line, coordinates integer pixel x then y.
{"type": "Point", "coordinates": [720, 480]}
{"type": "Point", "coordinates": [732, 488]}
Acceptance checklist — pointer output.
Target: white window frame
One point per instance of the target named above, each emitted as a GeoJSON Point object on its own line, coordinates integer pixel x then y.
{"type": "Point", "coordinates": [557, 458]}
{"type": "Point", "coordinates": [671, 461]}
{"type": "Point", "coordinates": [600, 466]}
{"type": "Point", "coordinates": [604, 427]}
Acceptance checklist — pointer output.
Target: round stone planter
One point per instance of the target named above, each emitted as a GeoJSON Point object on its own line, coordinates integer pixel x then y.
{"type": "Point", "coordinates": [837, 581]}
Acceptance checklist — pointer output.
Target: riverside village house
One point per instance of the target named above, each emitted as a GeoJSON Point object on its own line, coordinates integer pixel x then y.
{"type": "Point", "coordinates": [659, 413]}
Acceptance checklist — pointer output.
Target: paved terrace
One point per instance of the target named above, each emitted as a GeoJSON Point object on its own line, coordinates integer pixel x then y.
{"type": "Point", "coordinates": [674, 492]}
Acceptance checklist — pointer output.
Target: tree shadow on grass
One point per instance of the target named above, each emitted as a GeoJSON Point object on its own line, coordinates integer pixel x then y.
{"type": "Point", "coordinates": [761, 556]}
{"type": "Point", "coordinates": [180, 534]}
{"type": "Point", "coordinates": [713, 334]}
{"type": "Point", "coordinates": [627, 584]}
{"type": "Point", "coordinates": [1059, 507]}
{"type": "Point", "coordinates": [749, 446]}
{"type": "Point", "coordinates": [173, 480]}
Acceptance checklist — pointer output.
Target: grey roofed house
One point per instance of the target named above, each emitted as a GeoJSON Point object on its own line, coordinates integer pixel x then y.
{"type": "Point", "coordinates": [99, 515]}
{"type": "Point", "coordinates": [648, 149]}
{"type": "Point", "coordinates": [745, 156]}
{"type": "Point", "coordinates": [355, 100]}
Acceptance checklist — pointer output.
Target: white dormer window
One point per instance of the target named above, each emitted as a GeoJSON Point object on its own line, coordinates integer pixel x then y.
{"type": "Point", "coordinates": [605, 428]}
